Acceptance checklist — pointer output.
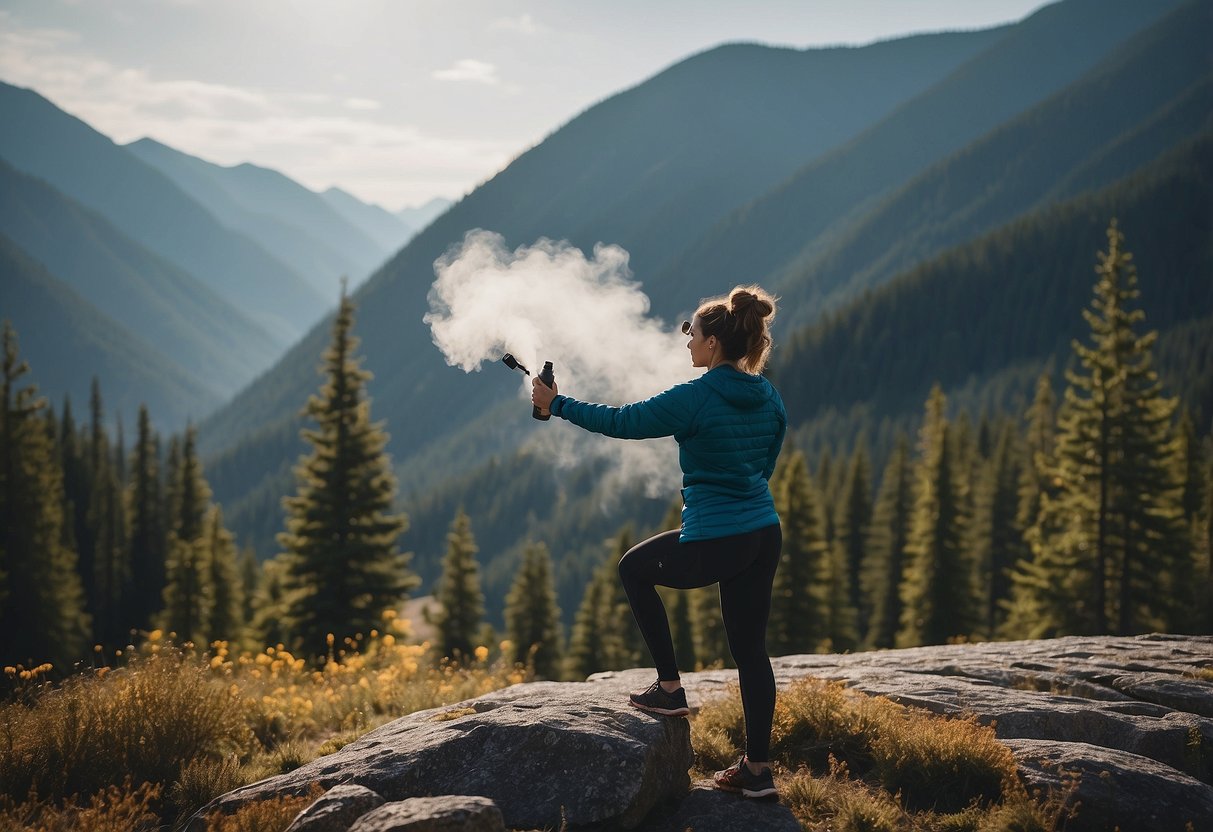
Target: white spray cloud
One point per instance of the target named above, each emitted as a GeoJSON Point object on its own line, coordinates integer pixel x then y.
{"type": "Point", "coordinates": [548, 301]}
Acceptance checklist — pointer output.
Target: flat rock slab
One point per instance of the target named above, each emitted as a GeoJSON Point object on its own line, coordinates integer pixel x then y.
{"type": "Point", "coordinates": [543, 752]}
{"type": "Point", "coordinates": [706, 809]}
{"type": "Point", "coordinates": [1115, 789]}
{"type": "Point", "coordinates": [450, 813]}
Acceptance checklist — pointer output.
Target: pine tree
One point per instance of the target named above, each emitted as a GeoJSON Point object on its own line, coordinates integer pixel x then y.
{"type": "Point", "coordinates": [605, 635]}
{"type": "Point", "coordinates": [42, 611]}
{"type": "Point", "coordinates": [711, 643]}
{"type": "Point", "coordinates": [192, 492]}
{"type": "Point", "coordinates": [625, 647]}
{"type": "Point", "coordinates": [188, 592]}
{"type": "Point", "coordinates": [998, 539]}
{"type": "Point", "coordinates": [462, 602]}
{"type": "Point", "coordinates": [342, 544]}
{"type": "Point", "coordinates": [250, 586]}
{"type": "Point", "coordinates": [1037, 476]}
{"type": "Point", "coordinates": [936, 592]}
{"type": "Point", "coordinates": [270, 605]}
{"type": "Point", "coordinates": [226, 619]}
{"type": "Point", "coordinates": [841, 627]}
{"type": "Point", "coordinates": [1110, 552]}
{"type": "Point", "coordinates": [799, 614]}
{"type": "Point", "coordinates": [852, 526]}
{"type": "Point", "coordinates": [682, 629]}
{"type": "Point", "coordinates": [77, 498]}
{"type": "Point", "coordinates": [148, 551]}
{"type": "Point", "coordinates": [532, 618]}
{"type": "Point", "coordinates": [111, 578]}
{"type": "Point", "coordinates": [889, 539]}
{"type": "Point", "coordinates": [587, 644]}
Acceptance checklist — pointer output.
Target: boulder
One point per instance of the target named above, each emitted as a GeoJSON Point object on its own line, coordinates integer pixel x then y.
{"type": "Point", "coordinates": [543, 752]}
{"type": "Point", "coordinates": [1115, 789]}
{"type": "Point", "coordinates": [336, 810]}
{"type": "Point", "coordinates": [450, 813]}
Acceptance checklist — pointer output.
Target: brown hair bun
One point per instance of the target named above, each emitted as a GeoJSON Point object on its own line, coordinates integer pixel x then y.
{"type": "Point", "coordinates": [740, 320]}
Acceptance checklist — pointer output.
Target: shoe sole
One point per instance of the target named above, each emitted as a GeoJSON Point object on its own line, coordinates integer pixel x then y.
{"type": "Point", "coordinates": [662, 711]}
{"type": "Point", "coordinates": [761, 793]}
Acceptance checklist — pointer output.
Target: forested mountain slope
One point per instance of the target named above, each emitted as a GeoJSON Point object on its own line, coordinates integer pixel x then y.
{"type": "Point", "coordinates": [39, 139]}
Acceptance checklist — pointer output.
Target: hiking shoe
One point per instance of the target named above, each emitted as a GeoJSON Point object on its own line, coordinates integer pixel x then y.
{"type": "Point", "coordinates": [739, 778]}
{"type": "Point", "coordinates": [657, 701]}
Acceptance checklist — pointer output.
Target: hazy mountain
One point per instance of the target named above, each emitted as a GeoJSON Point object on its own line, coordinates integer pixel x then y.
{"type": "Point", "coordinates": [1155, 92]}
{"type": "Point", "coordinates": [418, 217]}
{"type": "Point", "coordinates": [67, 342]}
{"type": "Point", "coordinates": [313, 256]}
{"type": "Point", "coordinates": [38, 138]}
{"type": "Point", "coordinates": [220, 347]}
{"type": "Point", "coordinates": [1039, 57]}
{"type": "Point", "coordinates": [390, 231]}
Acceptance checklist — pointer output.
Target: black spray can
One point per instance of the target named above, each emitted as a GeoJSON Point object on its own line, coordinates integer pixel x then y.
{"type": "Point", "coordinates": [548, 378]}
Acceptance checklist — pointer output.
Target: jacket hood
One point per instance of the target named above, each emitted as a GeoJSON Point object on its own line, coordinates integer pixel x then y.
{"type": "Point", "coordinates": [739, 389]}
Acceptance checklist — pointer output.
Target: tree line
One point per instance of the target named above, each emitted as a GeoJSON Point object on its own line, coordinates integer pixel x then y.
{"type": "Point", "coordinates": [1088, 514]}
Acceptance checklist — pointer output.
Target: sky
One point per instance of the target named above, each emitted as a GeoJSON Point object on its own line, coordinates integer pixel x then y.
{"type": "Point", "coordinates": [398, 101]}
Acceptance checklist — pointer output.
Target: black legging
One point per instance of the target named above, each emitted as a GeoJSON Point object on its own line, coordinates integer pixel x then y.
{"type": "Point", "coordinates": [744, 565]}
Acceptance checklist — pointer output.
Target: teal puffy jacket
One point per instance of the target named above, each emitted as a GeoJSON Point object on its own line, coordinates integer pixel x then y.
{"type": "Point", "coordinates": [729, 426]}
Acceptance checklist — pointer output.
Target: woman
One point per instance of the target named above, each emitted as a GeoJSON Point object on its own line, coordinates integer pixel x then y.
{"type": "Point", "coordinates": [729, 424]}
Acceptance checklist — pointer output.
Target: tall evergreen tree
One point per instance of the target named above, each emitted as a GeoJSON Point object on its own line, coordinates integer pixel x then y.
{"type": "Point", "coordinates": [682, 629]}
{"type": "Point", "coordinates": [1037, 474]}
{"type": "Point", "coordinates": [841, 626]}
{"type": "Point", "coordinates": [270, 605]}
{"type": "Point", "coordinates": [192, 492]}
{"type": "Point", "coordinates": [462, 603]}
{"type": "Point", "coordinates": [188, 592]}
{"type": "Point", "coordinates": [344, 563]}
{"type": "Point", "coordinates": [42, 611]}
{"type": "Point", "coordinates": [889, 538]}
{"type": "Point", "coordinates": [588, 643]}
{"type": "Point", "coordinates": [250, 585]}
{"type": "Point", "coordinates": [532, 618]}
{"type": "Point", "coordinates": [1113, 539]}
{"type": "Point", "coordinates": [226, 620]}
{"type": "Point", "coordinates": [936, 591]}
{"type": "Point", "coordinates": [148, 551]}
{"type": "Point", "coordinates": [997, 541]}
{"type": "Point", "coordinates": [711, 643]}
{"type": "Point", "coordinates": [605, 635]}
{"type": "Point", "coordinates": [111, 578]}
{"type": "Point", "coordinates": [852, 527]}
{"type": "Point", "coordinates": [799, 597]}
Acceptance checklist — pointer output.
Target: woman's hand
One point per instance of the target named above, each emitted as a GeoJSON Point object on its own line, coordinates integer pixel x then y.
{"type": "Point", "coordinates": [542, 395]}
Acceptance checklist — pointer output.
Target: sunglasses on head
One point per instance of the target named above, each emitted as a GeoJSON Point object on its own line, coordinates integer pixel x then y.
{"type": "Point", "coordinates": [686, 327]}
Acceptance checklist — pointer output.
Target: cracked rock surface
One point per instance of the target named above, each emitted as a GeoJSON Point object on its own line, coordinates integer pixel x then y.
{"type": "Point", "coordinates": [1132, 715]}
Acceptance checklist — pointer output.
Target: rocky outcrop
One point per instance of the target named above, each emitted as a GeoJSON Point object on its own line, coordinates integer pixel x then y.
{"type": "Point", "coordinates": [541, 752]}
{"type": "Point", "coordinates": [1133, 716]}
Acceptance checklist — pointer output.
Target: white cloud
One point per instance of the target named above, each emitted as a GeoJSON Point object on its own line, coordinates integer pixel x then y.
{"type": "Point", "coordinates": [524, 24]}
{"type": "Point", "coordinates": [363, 104]}
{"type": "Point", "coordinates": [469, 69]}
{"type": "Point", "coordinates": [318, 139]}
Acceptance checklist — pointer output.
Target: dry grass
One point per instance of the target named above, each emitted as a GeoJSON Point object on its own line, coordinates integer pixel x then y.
{"type": "Point", "coordinates": [845, 761]}
{"type": "Point", "coordinates": [196, 725]}
{"type": "Point", "coordinates": [113, 809]}
{"type": "Point", "coordinates": [272, 815]}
